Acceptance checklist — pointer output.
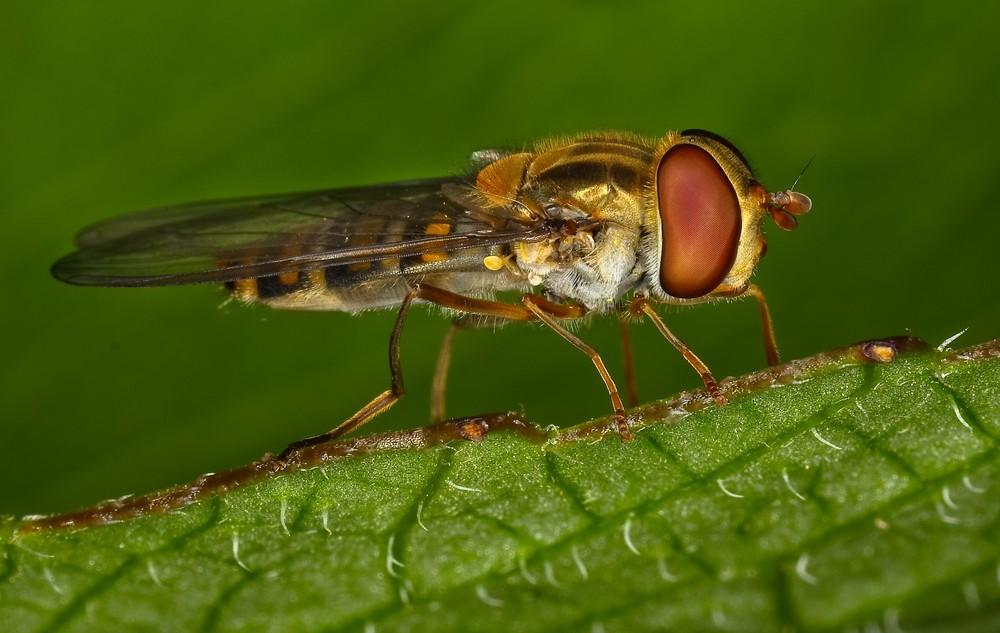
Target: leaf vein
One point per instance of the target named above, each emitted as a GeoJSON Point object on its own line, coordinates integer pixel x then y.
{"type": "Point", "coordinates": [568, 490]}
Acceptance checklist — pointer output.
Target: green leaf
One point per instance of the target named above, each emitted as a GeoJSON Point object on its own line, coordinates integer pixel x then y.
{"type": "Point", "coordinates": [855, 489]}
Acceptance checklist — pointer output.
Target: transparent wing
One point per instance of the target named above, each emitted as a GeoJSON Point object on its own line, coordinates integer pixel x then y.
{"type": "Point", "coordinates": [266, 235]}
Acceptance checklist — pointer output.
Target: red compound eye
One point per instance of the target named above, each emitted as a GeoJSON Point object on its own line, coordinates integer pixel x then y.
{"type": "Point", "coordinates": [700, 222]}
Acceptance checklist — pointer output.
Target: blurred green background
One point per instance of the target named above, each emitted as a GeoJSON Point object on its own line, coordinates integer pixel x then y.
{"type": "Point", "coordinates": [107, 108]}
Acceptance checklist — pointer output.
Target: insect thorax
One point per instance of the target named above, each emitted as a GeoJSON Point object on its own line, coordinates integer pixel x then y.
{"type": "Point", "coordinates": [595, 186]}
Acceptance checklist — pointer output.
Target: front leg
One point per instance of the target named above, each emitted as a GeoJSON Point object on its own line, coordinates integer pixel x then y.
{"type": "Point", "coordinates": [767, 326]}
{"type": "Point", "coordinates": [641, 305]}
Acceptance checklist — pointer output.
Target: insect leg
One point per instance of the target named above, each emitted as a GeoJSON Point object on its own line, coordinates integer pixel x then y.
{"type": "Point", "coordinates": [467, 320]}
{"type": "Point", "coordinates": [382, 401]}
{"type": "Point", "coordinates": [447, 299]}
{"type": "Point", "coordinates": [440, 382]}
{"type": "Point", "coordinates": [767, 326]}
{"type": "Point", "coordinates": [542, 309]}
{"type": "Point", "coordinates": [495, 309]}
{"type": "Point", "coordinates": [633, 391]}
{"type": "Point", "coordinates": [641, 303]}
{"type": "Point", "coordinates": [469, 306]}
{"type": "Point", "coordinates": [548, 312]}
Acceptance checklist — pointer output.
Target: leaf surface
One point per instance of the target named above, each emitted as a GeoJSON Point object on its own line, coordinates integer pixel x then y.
{"type": "Point", "coordinates": [857, 488]}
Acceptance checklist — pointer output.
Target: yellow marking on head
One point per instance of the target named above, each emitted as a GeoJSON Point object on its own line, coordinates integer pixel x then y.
{"type": "Point", "coordinates": [289, 278]}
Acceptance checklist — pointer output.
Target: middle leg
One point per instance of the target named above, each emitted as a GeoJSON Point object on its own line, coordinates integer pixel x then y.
{"type": "Point", "coordinates": [633, 391]}
{"type": "Point", "coordinates": [533, 303]}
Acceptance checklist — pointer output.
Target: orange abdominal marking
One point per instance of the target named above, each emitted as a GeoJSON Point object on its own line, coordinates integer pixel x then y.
{"type": "Point", "coordinates": [290, 278]}
{"type": "Point", "coordinates": [436, 228]}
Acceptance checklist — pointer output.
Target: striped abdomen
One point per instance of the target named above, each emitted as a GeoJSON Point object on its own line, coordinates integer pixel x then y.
{"type": "Point", "coordinates": [380, 282]}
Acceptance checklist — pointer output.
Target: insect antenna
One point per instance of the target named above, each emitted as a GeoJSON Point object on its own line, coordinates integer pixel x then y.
{"type": "Point", "coordinates": [802, 173]}
{"type": "Point", "coordinates": [784, 206]}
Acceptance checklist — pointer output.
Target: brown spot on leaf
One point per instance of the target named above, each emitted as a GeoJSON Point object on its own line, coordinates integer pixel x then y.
{"type": "Point", "coordinates": [880, 351]}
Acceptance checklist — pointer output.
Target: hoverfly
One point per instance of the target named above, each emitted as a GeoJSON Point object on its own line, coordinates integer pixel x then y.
{"type": "Point", "coordinates": [595, 223]}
